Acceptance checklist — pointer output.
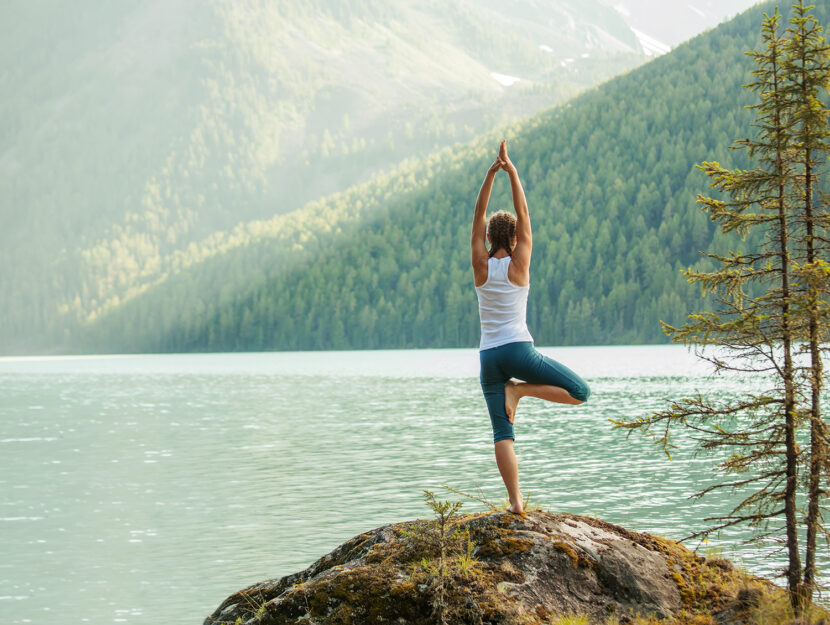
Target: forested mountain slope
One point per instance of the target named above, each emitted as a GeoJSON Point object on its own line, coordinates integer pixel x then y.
{"type": "Point", "coordinates": [611, 184]}
{"type": "Point", "coordinates": [133, 133]}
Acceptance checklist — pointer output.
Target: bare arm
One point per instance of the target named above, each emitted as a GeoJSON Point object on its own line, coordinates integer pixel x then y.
{"type": "Point", "coordinates": [524, 234]}
{"type": "Point", "coordinates": [520, 265]}
{"type": "Point", "coordinates": [478, 249]}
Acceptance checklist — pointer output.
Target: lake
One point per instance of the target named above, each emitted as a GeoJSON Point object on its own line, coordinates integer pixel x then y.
{"type": "Point", "coordinates": [145, 489]}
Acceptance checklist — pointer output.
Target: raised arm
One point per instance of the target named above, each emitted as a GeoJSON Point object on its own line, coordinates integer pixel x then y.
{"type": "Point", "coordinates": [520, 264]}
{"type": "Point", "coordinates": [478, 248]}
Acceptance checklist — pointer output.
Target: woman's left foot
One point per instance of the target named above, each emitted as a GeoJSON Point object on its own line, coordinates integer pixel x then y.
{"type": "Point", "coordinates": [514, 510]}
{"type": "Point", "coordinates": [511, 400]}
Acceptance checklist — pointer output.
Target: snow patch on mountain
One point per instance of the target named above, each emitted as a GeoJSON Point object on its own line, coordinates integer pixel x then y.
{"type": "Point", "coordinates": [504, 79]}
{"type": "Point", "coordinates": [651, 46]}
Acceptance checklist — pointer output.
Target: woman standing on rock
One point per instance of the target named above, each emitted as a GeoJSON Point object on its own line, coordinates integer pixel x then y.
{"type": "Point", "coordinates": [502, 281]}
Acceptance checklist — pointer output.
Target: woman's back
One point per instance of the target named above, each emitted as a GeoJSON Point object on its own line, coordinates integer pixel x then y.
{"type": "Point", "coordinates": [502, 306]}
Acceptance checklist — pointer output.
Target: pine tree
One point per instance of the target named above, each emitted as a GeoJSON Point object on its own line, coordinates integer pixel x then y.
{"type": "Point", "coordinates": [807, 67]}
{"type": "Point", "coordinates": [768, 302]}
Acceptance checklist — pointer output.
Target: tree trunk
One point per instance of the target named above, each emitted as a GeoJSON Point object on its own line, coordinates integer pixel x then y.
{"type": "Point", "coordinates": [794, 558]}
{"type": "Point", "coordinates": [817, 447]}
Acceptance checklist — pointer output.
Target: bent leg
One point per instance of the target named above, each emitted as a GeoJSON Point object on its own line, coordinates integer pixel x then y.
{"type": "Point", "coordinates": [514, 391]}
{"type": "Point", "coordinates": [509, 469]}
{"type": "Point", "coordinates": [544, 378]}
{"type": "Point", "coordinates": [537, 369]}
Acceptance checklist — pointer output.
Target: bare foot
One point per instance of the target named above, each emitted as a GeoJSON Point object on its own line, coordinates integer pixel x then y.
{"type": "Point", "coordinates": [511, 399]}
{"type": "Point", "coordinates": [516, 509]}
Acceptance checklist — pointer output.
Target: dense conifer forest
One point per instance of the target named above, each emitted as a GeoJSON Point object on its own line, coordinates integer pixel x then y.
{"type": "Point", "coordinates": [611, 182]}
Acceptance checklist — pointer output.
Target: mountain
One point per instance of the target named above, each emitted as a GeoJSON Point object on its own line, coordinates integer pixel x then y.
{"type": "Point", "coordinates": [611, 181]}
{"type": "Point", "coordinates": [136, 131]}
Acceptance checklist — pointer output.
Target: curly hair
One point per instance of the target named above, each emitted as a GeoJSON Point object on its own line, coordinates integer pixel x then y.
{"type": "Point", "coordinates": [501, 229]}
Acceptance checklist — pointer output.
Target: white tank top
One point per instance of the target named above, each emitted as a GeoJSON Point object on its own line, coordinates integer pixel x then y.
{"type": "Point", "coordinates": [502, 307]}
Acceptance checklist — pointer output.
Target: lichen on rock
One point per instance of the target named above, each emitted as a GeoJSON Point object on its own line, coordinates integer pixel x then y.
{"type": "Point", "coordinates": [519, 569]}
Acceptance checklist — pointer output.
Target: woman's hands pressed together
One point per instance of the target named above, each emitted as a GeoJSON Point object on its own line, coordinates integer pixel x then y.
{"type": "Point", "coordinates": [502, 160]}
{"type": "Point", "coordinates": [506, 163]}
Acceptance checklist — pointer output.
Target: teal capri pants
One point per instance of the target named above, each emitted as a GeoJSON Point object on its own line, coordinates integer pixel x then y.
{"type": "Point", "coordinates": [521, 360]}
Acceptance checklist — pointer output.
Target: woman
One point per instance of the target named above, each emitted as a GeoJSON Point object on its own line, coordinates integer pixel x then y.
{"type": "Point", "coordinates": [502, 281]}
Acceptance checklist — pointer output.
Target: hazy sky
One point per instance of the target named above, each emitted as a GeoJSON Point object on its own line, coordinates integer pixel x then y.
{"type": "Point", "coordinates": [673, 21]}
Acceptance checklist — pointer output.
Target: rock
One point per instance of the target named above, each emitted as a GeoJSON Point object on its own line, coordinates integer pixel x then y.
{"type": "Point", "coordinates": [523, 569]}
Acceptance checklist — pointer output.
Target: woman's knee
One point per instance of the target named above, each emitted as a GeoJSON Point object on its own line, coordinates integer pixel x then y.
{"type": "Point", "coordinates": [581, 391]}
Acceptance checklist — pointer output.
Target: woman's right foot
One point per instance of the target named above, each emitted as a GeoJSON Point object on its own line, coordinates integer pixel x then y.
{"type": "Point", "coordinates": [511, 399]}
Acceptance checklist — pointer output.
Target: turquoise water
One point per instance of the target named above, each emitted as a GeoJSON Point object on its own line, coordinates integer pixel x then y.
{"type": "Point", "coordinates": [145, 489]}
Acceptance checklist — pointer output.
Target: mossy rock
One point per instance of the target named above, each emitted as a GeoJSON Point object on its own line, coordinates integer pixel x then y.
{"type": "Point", "coordinates": [523, 569]}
